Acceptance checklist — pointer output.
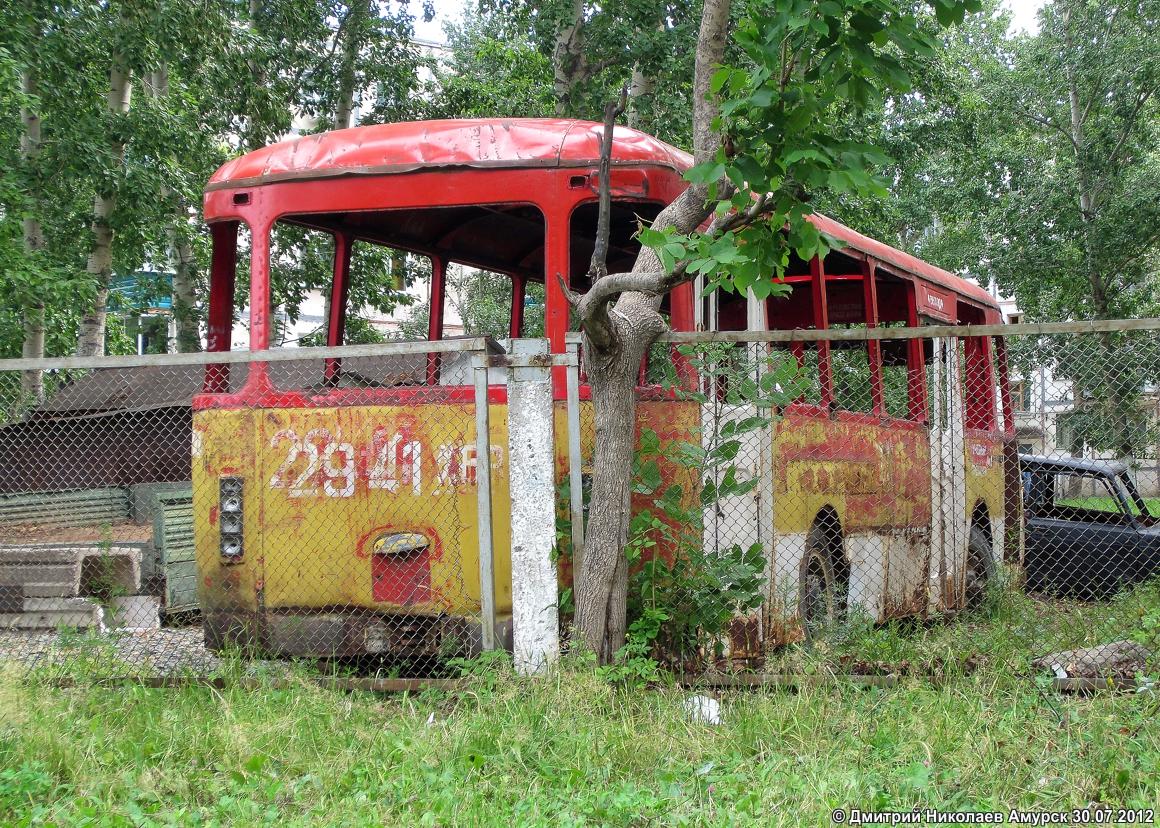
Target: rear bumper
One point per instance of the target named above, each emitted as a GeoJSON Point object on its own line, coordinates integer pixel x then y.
{"type": "Point", "coordinates": [348, 634]}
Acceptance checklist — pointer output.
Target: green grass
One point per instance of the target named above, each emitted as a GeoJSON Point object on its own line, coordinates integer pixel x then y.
{"type": "Point", "coordinates": [1109, 504]}
{"type": "Point", "coordinates": [566, 750]}
{"type": "Point", "coordinates": [1005, 635]}
{"type": "Point", "coordinates": [970, 726]}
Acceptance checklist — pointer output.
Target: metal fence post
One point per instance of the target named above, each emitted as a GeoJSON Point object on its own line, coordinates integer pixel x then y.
{"type": "Point", "coordinates": [479, 363]}
{"type": "Point", "coordinates": [531, 469]}
{"type": "Point", "coordinates": [575, 476]}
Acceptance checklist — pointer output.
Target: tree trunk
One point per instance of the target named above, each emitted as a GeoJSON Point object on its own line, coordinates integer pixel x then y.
{"type": "Point", "coordinates": [602, 589]}
{"type": "Point", "coordinates": [640, 87]}
{"type": "Point", "coordinates": [568, 64]}
{"type": "Point", "coordinates": [1119, 403]}
{"type": "Point", "coordinates": [185, 290]}
{"type": "Point", "coordinates": [32, 382]}
{"type": "Point", "coordinates": [91, 340]}
{"type": "Point", "coordinates": [251, 131]}
{"type": "Point", "coordinates": [351, 32]}
{"type": "Point", "coordinates": [352, 38]}
{"type": "Point", "coordinates": [615, 342]}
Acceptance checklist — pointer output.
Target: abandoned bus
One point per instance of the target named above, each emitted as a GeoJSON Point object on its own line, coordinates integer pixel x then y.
{"type": "Point", "coordinates": [332, 510]}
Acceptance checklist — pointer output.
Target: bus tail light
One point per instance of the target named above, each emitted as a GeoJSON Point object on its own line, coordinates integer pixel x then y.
{"type": "Point", "coordinates": [401, 568]}
{"type": "Point", "coordinates": [230, 517]}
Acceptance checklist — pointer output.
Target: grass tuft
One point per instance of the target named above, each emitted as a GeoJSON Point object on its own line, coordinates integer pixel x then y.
{"type": "Point", "coordinates": [566, 749]}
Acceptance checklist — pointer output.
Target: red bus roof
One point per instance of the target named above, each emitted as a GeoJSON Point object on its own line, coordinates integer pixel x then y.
{"type": "Point", "coordinates": [902, 261]}
{"type": "Point", "coordinates": [506, 143]}
{"type": "Point", "coordinates": [419, 145]}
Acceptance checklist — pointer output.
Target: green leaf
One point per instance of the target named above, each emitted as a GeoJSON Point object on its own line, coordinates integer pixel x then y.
{"type": "Point", "coordinates": [719, 79]}
{"type": "Point", "coordinates": [705, 173]}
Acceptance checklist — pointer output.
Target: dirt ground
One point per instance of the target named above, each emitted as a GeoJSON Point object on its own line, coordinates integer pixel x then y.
{"type": "Point", "coordinates": [34, 533]}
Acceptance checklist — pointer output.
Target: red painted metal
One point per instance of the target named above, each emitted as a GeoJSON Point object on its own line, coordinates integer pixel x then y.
{"type": "Point", "coordinates": [979, 384]}
{"type": "Point", "coordinates": [557, 270]}
{"type": "Point", "coordinates": [438, 298]}
{"type": "Point", "coordinates": [435, 305]}
{"type": "Point", "coordinates": [1004, 386]}
{"type": "Point", "coordinates": [222, 276]}
{"type": "Point", "coordinates": [915, 364]}
{"type": "Point", "coordinates": [939, 304]}
{"type": "Point", "coordinates": [822, 322]}
{"type": "Point", "coordinates": [404, 580]}
{"type": "Point", "coordinates": [260, 288]}
{"type": "Point", "coordinates": [526, 144]}
{"type": "Point", "coordinates": [873, 346]}
{"type": "Point", "coordinates": [339, 290]}
{"type": "Point", "coordinates": [896, 260]}
{"type": "Point", "coordinates": [519, 290]}
{"type": "Point", "coordinates": [500, 162]}
{"type": "Point", "coordinates": [425, 145]}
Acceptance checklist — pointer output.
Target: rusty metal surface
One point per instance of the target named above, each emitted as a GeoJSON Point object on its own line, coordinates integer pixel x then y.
{"type": "Point", "coordinates": [480, 143]}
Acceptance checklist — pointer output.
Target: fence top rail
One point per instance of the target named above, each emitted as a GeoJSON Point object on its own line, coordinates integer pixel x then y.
{"type": "Point", "coordinates": [474, 344]}
{"type": "Point", "coordinates": [926, 332]}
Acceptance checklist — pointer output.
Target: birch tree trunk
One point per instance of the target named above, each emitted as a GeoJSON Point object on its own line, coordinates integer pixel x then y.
{"type": "Point", "coordinates": [639, 88]}
{"type": "Point", "coordinates": [352, 39]}
{"type": "Point", "coordinates": [32, 382]}
{"type": "Point", "coordinates": [91, 340]}
{"type": "Point", "coordinates": [352, 35]}
{"type": "Point", "coordinates": [568, 63]}
{"type": "Point", "coordinates": [184, 289]}
{"type": "Point", "coordinates": [615, 342]}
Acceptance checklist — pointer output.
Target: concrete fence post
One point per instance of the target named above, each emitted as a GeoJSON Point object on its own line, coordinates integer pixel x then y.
{"type": "Point", "coordinates": [531, 447]}
{"type": "Point", "coordinates": [483, 504]}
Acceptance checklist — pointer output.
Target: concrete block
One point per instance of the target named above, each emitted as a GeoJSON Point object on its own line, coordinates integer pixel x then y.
{"type": "Point", "coordinates": [70, 570]}
{"type": "Point", "coordinates": [134, 612]}
{"type": "Point", "coordinates": [54, 613]}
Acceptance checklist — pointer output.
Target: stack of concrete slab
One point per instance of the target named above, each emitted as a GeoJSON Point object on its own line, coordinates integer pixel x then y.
{"type": "Point", "coordinates": [54, 585]}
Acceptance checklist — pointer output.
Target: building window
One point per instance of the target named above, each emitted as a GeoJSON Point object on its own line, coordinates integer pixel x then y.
{"type": "Point", "coordinates": [1020, 395]}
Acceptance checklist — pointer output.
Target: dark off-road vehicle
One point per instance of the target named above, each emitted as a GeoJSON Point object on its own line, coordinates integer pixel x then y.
{"type": "Point", "coordinates": [1089, 532]}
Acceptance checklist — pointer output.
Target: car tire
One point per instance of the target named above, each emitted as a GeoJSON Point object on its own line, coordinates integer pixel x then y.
{"type": "Point", "coordinates": [818, 599]}
{"type": "Point", "coordinates": [980, 568]}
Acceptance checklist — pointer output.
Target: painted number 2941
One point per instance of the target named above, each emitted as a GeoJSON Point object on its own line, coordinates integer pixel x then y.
{"type": "Point", "coordinates": [317, 457]}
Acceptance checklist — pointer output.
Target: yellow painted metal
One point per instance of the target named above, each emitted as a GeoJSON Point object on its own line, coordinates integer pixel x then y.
{"type": "Point", "coordinates": [320, 490]}
{"type": "Point", "coordinates": [876, 477]}
{"type": "Point", "coordinates": [322, 485]}
{"type": "Point", "coordinates": [984, 478]}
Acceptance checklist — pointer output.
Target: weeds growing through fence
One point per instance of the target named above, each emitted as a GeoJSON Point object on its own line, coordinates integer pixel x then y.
{"type": "Point", "coordinates": [568, 749]}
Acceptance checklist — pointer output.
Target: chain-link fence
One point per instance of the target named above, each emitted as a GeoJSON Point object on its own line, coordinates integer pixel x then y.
{"type": "Point", "coordinates": [894, 500]}
{"type": "Point", "coordinates": [869, 501]}
{"type": "Point", "coordinates": [157, 512]}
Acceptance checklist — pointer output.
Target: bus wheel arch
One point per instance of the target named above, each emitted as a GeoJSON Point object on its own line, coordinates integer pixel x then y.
{"type": "Point", "coordinates": [980, 570]}
{"type": "Point", "coordinates": [824, 578]}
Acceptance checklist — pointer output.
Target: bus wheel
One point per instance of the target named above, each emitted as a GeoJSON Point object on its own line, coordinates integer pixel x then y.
{"type": "Point", "coordinates": [980, 567]}
{"type": "Point", "coordinates": [818, 590]}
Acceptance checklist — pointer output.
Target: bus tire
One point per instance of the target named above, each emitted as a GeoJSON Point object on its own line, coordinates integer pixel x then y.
{"type": "Point", "coordinates": [818, 598]}
{"type": "Point", "coordinates": [980, 567]}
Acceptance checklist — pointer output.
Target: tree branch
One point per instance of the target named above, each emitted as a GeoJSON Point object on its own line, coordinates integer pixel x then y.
{"type": "Point", "coordinates": [657, 283]}
{"type": "Point", "coordinates": [1141, 99]}
{"type": "Point", "coordinates": [599, 264]}
{"type": "Point", "coordinates": [1050, 124]}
